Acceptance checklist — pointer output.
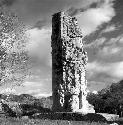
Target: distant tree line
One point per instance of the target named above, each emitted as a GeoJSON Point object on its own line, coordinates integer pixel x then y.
{"type": "Point", "coordinates": [23, 105]}
{"type": "Point", "coordinates": [108, 100]}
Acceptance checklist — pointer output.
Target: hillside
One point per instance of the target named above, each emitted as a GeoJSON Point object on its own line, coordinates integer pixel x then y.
{"type": "Point", "coordinates": [109, 100]}
{"type": "Point", "coordinates": [24, 104]}
{"type": "Point", "coordinates": [28, 99]}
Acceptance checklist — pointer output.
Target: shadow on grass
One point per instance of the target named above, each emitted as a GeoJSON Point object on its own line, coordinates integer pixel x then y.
{"type": "Point", "coordinates": [92, 117]}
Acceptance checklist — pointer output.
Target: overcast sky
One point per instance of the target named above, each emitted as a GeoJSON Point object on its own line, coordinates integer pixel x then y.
{"type": "Point", "coordinates": [101, 22]}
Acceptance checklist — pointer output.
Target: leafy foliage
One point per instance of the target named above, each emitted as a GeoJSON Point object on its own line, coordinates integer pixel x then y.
{"type": "Point", "coordinates": [108, 100]}
{"type": "Point", "coordinates": [13, 56]}
{"type": "Point", "coordinates": [20, 105]}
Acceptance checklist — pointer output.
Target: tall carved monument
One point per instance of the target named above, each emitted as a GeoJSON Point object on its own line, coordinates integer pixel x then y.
{"type": "Point", "coordinates": [69, 61]}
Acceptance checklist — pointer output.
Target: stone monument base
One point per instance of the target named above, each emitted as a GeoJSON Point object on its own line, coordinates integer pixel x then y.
{"type": "Point", "coordinates": [86, 108]}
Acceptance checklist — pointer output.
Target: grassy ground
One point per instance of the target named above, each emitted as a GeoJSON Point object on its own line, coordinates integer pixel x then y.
{"type": "Point", "coordinates": [26, 121]}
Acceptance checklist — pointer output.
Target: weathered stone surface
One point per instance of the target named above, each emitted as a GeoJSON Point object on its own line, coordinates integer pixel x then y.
{"type": "Point", "coordinates": [68, 65]}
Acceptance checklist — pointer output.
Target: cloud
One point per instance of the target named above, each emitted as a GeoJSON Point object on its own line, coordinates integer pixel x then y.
{"type": "Point", "coordinates": [95, 67]}
{"type": "Point", "coordinates": [121, 39]}
{"type": "Point", "coordinates": [117, 40]}
{"type": "Point", "coordinates": [40, 24]}
{"type": "Point", "coordinates": [94, 84]}
{"type": "Point", "coordinates": [43, 95]}
{"type": "Point", "coordinates": [39, 48]}
{"type": "Point", "coordinates": [36, 86]}
{"type": "Point", "coordinates": [32, 84]}
{"type": "Point", "coordinates": [6, 2]}
{"type": "Point", "coordinates": [96, 43]}
{"type": "Point", "coordinates": [31, 11]}
{"type": "Point", "coordinates": [109, 29]}
{"type": "Point", "coordinates": [109, 50]}
{"type": "Point", "coordinates": [39, 45]}
{"type": "Point", "coordinates": [114, 40]}
{"type": "Point", "coordinates": [105, 49]}
{"type": "Point", "coordinates": [72, 11]}
{"type": "Point", "coordinates": [38, 93]}
{"type": "Point", "coordinates": [32, 92]}
{"type": "Point", "coordinates": [91, 14]}
{"type": "Point", "coordinates": [113, 70]}
{"type": "Point", "coordinates": [91, 19]}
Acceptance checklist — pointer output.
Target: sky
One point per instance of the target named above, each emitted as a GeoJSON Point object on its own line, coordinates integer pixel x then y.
{"type": "Point", "coordinates": [101, 22]}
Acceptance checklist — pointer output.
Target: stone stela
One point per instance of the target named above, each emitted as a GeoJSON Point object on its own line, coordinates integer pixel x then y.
{"type": "Point", "coordinates": [69, 84]}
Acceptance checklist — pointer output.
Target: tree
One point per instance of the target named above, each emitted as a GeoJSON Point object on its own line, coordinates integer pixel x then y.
{"type": "Point", "coordinates": [109, 99]}
{"type": "Point", "coordinates": [13, 55]}
{"type": "Point", "coordinates": [97, 101]}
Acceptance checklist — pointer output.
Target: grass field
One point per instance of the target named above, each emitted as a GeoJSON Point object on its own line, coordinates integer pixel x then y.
{"type": "Point", "coordinates": [26, 121]}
